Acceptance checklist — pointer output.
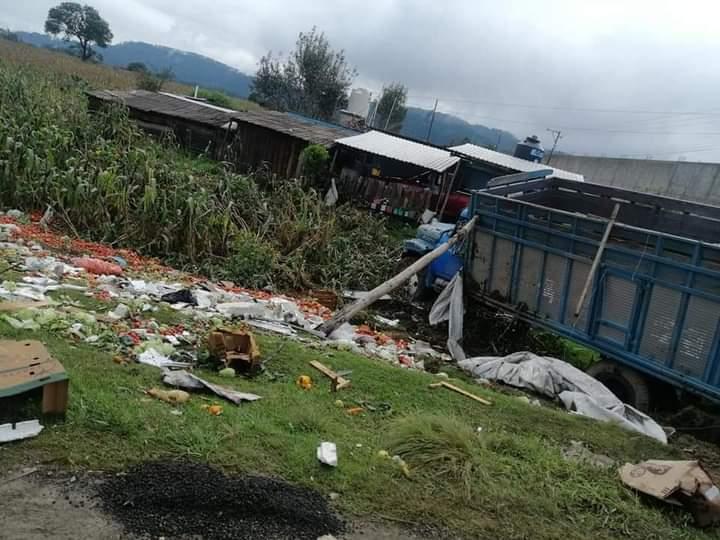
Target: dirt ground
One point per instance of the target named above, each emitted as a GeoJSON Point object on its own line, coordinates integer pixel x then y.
{"type": "Point", "coordinates": [51, 504]}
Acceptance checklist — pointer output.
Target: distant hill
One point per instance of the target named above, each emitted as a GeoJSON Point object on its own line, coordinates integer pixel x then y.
{"type": "Point", "coordinates": [450, 130]}
{"type": "Point", "coordinates": [194, 68]}
{"type": "Point", "coordinates": [188, 67]}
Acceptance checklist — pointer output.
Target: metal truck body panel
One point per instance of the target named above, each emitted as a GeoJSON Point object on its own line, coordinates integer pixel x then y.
{"type": "Point", "coordinates": [653, 304]}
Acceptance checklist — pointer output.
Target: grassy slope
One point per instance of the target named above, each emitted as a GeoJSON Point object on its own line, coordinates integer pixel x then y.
{"type": "Point", "coordinates": [523, 489]}
{"type": "Point", "coordinates": [97, 75]}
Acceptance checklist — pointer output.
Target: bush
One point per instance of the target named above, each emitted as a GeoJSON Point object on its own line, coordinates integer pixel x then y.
{"type": "Point", "coordinates": [217, 98]}
{"type": "Point", "coordinates": [251, 260]}
{"type": "Point", "coordinates": [314, 159]}
{"type": "Point", "coordinates": [154, 82]}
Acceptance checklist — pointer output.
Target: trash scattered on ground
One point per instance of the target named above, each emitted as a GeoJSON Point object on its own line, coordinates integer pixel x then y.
{"type": "Point", "coordinates": [384, 321]}
{"type": "Point", "coordinates": [327, 454]}
{"type": "Point", "coordinates": [337, 382]}
{"type": "Point", "coordinates": [304, 382]}
{"type": "Point", "coordinates": [169, 396]}
{"type": "Point", "coordinates": [96, 266]}
{"type": "Point", "coordinates": [578, 452]}
{"type": "Point", "coordinates": [400, 462]}
{"type": "Point", "coordinates": [683, 483]}
{"type": "Point", "coordinates": [20, 430]}
{"type": "Point", "coordinates": [236, 347]}
{"type": "Point", "coordinates": [26, 365]}
{"type": "Point", "coordinates": [577, 390]}
{"type": "Point", "coordinates": [357, 295]}
{"type": "Point", "coordinates": [215, 410]}
{"type": "Point", "coordinates": [227, 372]}
{"type": "Point", "coordinates": [184, 379]}
{"type": "Point", "coordinates": [185, 499]}
{"type": "Point", "coordinates": [449, 307]}
{"type": "Point", "coordinates": [460, 391]}
{"type": "Point", "coordinates": [151, 357]}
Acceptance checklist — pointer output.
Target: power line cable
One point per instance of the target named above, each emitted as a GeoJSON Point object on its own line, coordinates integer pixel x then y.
{"type": "Point", "coordinates": [576, 109]}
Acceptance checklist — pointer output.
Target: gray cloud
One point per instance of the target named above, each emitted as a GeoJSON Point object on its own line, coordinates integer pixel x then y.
{"type": "Point", "coordinates": [554, 57]}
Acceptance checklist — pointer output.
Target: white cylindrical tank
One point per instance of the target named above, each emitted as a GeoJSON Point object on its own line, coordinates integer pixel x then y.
{"type": "Point", "coordinates": [359, 102]}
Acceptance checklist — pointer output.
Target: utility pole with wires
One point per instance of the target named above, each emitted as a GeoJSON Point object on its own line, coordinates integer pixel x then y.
{"type": "Point", "coordinates": [557, 135]}
{"type": "Point", "coordinates": [432, 120]}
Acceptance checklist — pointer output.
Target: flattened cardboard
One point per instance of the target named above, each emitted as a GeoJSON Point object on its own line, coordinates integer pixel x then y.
{"type": "Point", "coordinates": [25, 365]}
{"type": "Point", "coordinates": [683, 483]}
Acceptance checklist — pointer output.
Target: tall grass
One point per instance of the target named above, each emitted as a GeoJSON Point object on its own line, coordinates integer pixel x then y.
{"type": "Point", "coordinates": [109, 181]}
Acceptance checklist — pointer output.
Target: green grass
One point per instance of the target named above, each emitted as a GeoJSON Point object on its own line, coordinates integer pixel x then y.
{"type": "Point", "coordinates": [518, 486]}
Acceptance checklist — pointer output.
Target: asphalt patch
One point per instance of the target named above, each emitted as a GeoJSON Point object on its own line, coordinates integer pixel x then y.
{"type": "Point", "coordinates": [182, 499]}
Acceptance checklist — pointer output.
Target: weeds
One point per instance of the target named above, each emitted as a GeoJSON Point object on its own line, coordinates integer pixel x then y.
{"type": "Point", "coordinates": [109, 181]}
{"type": "Point", "coordinates": [443, 446]}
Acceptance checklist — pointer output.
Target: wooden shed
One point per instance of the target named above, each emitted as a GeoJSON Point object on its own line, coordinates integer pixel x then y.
{"type": "Point", "coordinates": [276, 139]}
{"type": "Point", "coordinates": [198, 126]}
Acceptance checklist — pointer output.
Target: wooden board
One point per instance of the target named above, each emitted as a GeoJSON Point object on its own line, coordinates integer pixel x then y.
{"type": "Point", "coordinates": [338, 382]}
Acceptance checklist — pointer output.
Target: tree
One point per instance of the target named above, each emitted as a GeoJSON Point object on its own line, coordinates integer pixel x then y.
{"type": "Point", "coordinates": [6, 33]}
{"type": "Point", "coordinates": [391, 109]}
{"type": "Point", "coordinates": [154, 82]}
{"type": "Point", "coordinates": [314, 80]}
{"type": "Point", "coordinates": [138, 67]}
{"type": "Point", "coordinates": [81, 22]}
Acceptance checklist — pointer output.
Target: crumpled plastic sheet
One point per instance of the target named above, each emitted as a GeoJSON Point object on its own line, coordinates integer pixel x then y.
{"type": "Point", "coordinates": [449, 307]}
{"type": "Point", "coordinates": [577, 390]}
{"type": "Point", "coordinates": [185, 379]}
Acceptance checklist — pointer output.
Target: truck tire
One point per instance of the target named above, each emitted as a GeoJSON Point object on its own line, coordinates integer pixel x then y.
{"type": "Point", "coordinates": [627, 384]}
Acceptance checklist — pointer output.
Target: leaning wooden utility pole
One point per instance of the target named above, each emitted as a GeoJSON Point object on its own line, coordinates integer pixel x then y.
{"type": "Point", "coordinates": [393, 283]}
{"type": "Point", "coordinates": [596, 260]}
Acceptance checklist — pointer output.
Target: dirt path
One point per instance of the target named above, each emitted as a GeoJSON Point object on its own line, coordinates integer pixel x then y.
{"type": "Point", "coordinates": [50, 504]}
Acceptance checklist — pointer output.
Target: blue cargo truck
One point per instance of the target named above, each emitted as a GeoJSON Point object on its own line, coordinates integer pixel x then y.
{"type": "Point", "coordinates": [652, 308]}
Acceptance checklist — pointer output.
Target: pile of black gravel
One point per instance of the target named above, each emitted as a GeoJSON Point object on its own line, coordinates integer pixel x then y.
{"type": "Point", "coordinates": [186, 499]}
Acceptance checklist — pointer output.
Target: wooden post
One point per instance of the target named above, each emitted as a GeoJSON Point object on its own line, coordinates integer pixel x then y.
{"type": "Point", "coordinates": [450, 188]}
{"type": "Point", "coordinates": [596, 260]}
{"type": "Point", "coordinates": [390, 285]}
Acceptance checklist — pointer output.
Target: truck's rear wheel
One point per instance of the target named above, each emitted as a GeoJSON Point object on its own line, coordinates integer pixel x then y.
{"type": "Point", "coordinates": [627, 384]}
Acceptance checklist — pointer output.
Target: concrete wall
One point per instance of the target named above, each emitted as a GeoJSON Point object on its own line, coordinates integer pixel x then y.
{"type": "Point", "coordinates": [699, 182]}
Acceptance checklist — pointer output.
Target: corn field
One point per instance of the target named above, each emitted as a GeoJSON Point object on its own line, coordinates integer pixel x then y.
{"type": "Point", "coordinates": [108, 181]}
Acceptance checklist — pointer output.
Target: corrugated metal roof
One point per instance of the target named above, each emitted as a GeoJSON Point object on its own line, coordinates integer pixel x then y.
{"type": "Point", "coordinates": [306, 129]}
{"type": "Point", "coordinates": [512, 163]}
{"type": "Point", "coordinates": [389, 146]}
{"type": "Point", "coordinates": [168, 104]}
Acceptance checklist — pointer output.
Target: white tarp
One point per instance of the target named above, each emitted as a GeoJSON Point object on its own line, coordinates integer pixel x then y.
{"type": "Point", "coordinates": [449, 307]}
{"type": "Point", "coordinates": [554, 378]}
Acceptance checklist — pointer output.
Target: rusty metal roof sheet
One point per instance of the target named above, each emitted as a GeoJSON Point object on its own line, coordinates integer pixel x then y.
{"type": "Point", "coordinates": [300, 127]}
{"type": "Point", "coordinates": [169, 105]}
{"type": "Point", "coordinates": [407, 151]}
{"type": "Point", "coordinates": [511, 163]}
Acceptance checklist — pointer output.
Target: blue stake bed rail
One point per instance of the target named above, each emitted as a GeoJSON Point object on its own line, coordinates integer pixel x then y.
{"type": "Point", "coordinates": [654, 302]}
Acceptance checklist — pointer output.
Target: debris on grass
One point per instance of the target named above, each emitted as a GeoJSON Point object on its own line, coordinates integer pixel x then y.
{"type": "Point", "coordinates": [556, 379]}
{"type": "Point", "coordinates": [578, 452]}
{"type": "Point", "coordinates": [677, 482]}
{"type": "Point", "coordinates": [187, 499]}
{"type": "Point", "coordinates": [327, 454]}
{"type": "Point", "coordinates": [169, 396]}
{"type": "Point", "coordinates": [20, 430]}
{"type": "Point", "coordinates": [337, 382]}
{"type": "Point", "coordinates": [215, 410]}
{"type": "Point", "coordinates": [304, 382]}
{"type": "Point", "coordinates": [192, 382]}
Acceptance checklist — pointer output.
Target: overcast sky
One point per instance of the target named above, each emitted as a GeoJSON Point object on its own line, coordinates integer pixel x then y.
{"type": "Point", "coordinates": [521, 65]}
